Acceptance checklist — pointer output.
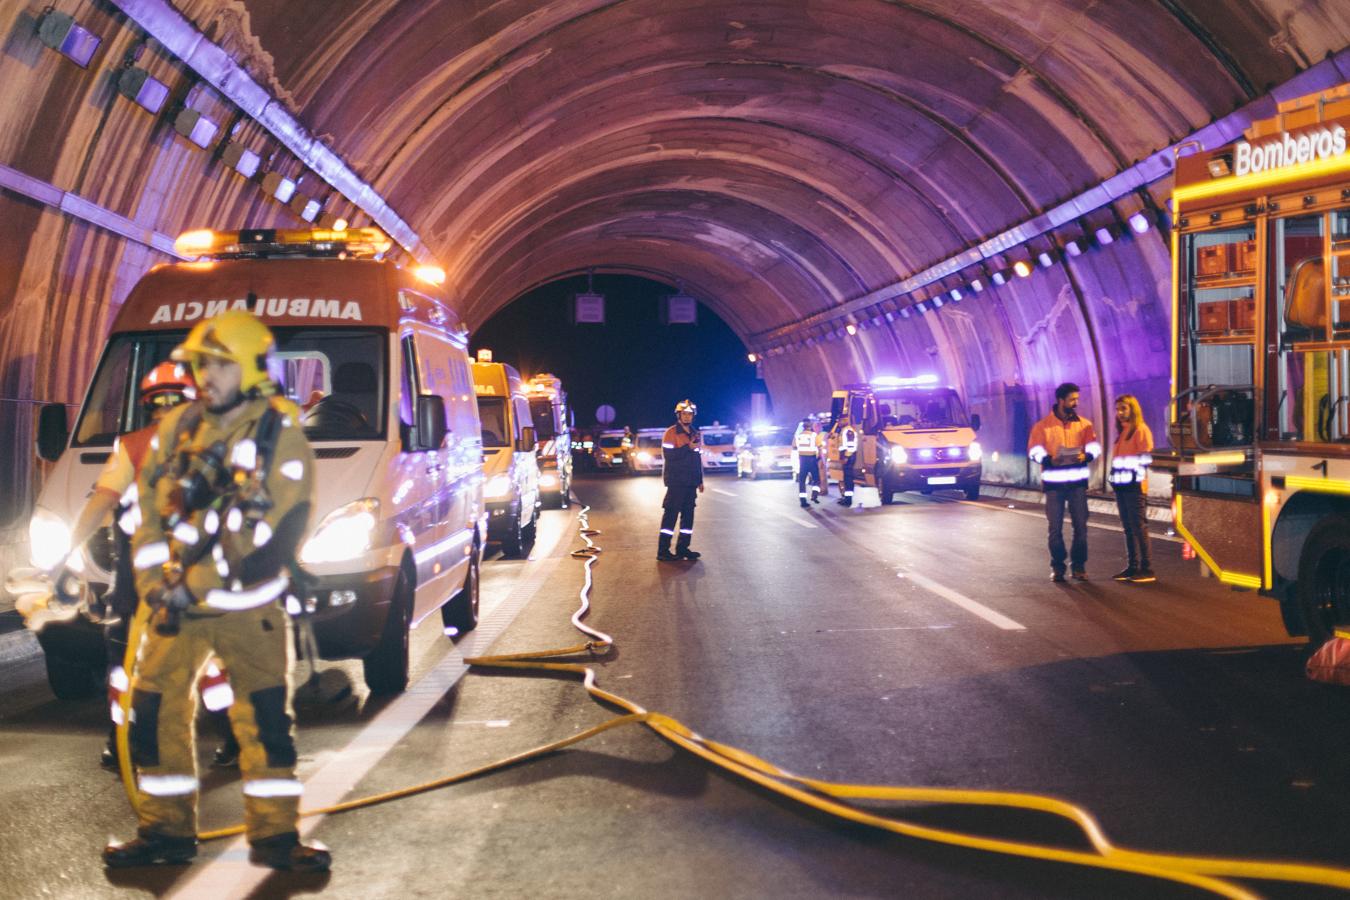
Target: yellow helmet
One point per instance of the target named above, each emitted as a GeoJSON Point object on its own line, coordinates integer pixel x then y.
{"type": "Point", "coordinates": [686, 406]}
{"type": "Point", "coordinates": [236, 335]}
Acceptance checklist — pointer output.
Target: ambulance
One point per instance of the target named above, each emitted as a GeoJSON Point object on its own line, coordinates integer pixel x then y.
{"type": "Point", "coordinates": [913, 435]}
{"type": "Point", "coordinates": [510, 467]}
{"type": "Point", "coordinates": [553, 438]}
{"type": "Point", "coordinates": [376, 358]}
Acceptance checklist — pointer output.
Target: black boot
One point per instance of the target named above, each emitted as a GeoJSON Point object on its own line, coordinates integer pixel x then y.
{"type": "Point", "coordinates": [285, 852]}
{"type": "Point", "coordinates": [150, 849]}
{"type": "Point", "coordinates": [686, 553]}
{"type": "Point", "coordinates": [663, 551]}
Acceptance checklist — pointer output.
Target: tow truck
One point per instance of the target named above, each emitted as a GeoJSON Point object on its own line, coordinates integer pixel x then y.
{"type": "Point", "coordinates": [913, 435]}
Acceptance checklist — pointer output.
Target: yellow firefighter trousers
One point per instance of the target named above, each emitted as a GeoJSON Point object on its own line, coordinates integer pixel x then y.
{"type": "Point", "coordinates": [256, 647]}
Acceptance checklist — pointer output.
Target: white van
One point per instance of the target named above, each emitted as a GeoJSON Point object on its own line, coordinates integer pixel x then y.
{"type": "Point", "coordinates": [510, 467]}
{"type": "Point", "coordinates": [377, 360]}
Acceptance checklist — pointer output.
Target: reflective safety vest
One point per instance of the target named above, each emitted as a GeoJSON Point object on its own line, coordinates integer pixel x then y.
{"type": "Point", "coordinates": [806, 443]}
{"type": "Point", "coordinates": [1131, 456]}
{"type": "Point", "coordinates": [848, 441]}
{"type": "Point", "coordinates": [1056, 444]}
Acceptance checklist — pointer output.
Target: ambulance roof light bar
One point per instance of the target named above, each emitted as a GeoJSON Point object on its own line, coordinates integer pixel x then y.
{"type": "Point", "coordinates": [895, 381]}
{"type": "Point", "coordinates": [253, 243]}
{"type": "Point", "coordinates": [485, 355]}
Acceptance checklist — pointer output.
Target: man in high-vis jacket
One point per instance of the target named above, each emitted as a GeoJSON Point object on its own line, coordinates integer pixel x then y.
{"type": "Point", "coordinates": [225, 498]}
{"type": "Point", "coordinates": [807, 445]}
{"type": "Point", "coordinates": [1064, 444]}
{"type": "Point", "coordinates": [682, 471]}
{"type": "Point", "coordinates": [848, 456]}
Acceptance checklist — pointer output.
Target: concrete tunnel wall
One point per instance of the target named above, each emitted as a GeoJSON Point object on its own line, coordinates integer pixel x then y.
{"type": "Point", "coordinates": [779, 158]}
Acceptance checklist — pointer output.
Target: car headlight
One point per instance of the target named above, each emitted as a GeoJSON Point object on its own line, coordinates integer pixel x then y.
{"type": "Point", "coordinates": [498, 486]}
{"type": "Point", "coordinates": [974, 452]}
{"type": "Point", "coordinates": [345, 533]}
{"type": "Point", "coordinates": [548, 481]}
{"type": "Point", "coordinates": [49, 537]}
{"type": "Point", "coordinates": [644, 457]}
{"type": "Point", "coordinates": [765, 457]}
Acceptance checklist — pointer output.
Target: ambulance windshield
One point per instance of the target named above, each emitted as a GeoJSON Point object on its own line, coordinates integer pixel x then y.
{"type": "Point", "coordinates": [914, 408]}
{"type": "Point", "coordinates": [492, 413]}
{"type": "Point", "coordinates": [335, 375]}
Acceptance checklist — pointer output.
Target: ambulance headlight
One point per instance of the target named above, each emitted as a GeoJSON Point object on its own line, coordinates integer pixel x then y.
{"type": "Point", "coordinates": [765, 457]}
{"type": "Point", "coordinates": [497, 487]}
{"type": "Point", "coordinates": [49, 537]}
{"type": "Point", "coordinates": [898, 456]}
{"type": "Point", "coordinates": [548, 481]}
{"type": "Point", "coordinates": [644, 456]}
{"type": "Point", "coordinates": [345, 533]}
{"type": "Point", "coordinates": [974, 452]}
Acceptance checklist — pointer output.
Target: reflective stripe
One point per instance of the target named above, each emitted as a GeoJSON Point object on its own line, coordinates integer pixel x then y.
{"type": "Point", "coordinates": [262, 533]}
{"type": "Point", "coordinates": [234, 519]}
{"type": "Point", "coordinates": [130, 520]}
{"type": "Point", "coordinates": [1061, 476]}
{"type": "Point", "coordinates": [168, 785]}
{"type": "Point", "coordinates": [151, 555]}
{"type": "Point", "coordinates": [218, 696]}
{"type": "Point", "coordinates": [116, 713]}
{"type": "Point", "coordinates": [222, 568]}
{"type": "Point", "coordinates": [686, 531]}
{"type": "Point", "coordinates": [848, 493]}
{"type": "Point", "coordinates": [665, 446]}
{"type": "Point", "coordinates": [130, 496]}
{"type": "Point", "coordinates": [1093, 449]}
{"type": "Point", "coordinates": [245, 455]}
{"type": "Point", "coordinates": [212, 522]}
{"type": "Point", "coordinates": [273, 787]}
{"type": "Point", "coordinates": [801, 493]}
{"type": "Point", "coordinates": [118, 680]}
{"type": "Point", "coordinates": [670, 531]}
{"type": "Point", "coordinates": [1037, 453]}
{"type": "Point", "coordinates": [185, 533]}
{"type": "Point", "coordinates": [218, 598]}
{"type": "Point", "coordinates": [294, 469]}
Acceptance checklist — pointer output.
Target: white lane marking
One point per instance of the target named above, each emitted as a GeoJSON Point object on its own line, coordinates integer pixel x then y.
{"type": "Point", "coordinates": [961, 600]}
{"type": "Point", "coordinates": [797, 520]}
{"type": "Point", "coordinates": [231, 875]}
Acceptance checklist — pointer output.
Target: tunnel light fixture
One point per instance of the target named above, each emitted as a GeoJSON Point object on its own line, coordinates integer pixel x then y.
{"type": "Point", "coordinates": [851, 329]}
{"type": "Point", "coordinates": [1022, 268]}
{"type": "Point", "coordinates": [1045, 259]}
{"type": "Point", "coordinates": [142, 88]}
{"type": "Point", "coordinates": [890, 317]}
{"type": "Point", "coordinates": [1104, 236]}
{"type": "Point", "coordinates": [976, 285]}
{"type": "Point", "coordinates": [955, 294]}
{"type": "Point", "coordinates": [63, 34]}
{"type": "Point", "coordinates": [1073, 247]}
{"type": "Point", "coordinates": [752, 357]}
{"type": "Point", "coordinates": [241, 159]}
{"type": "Point", "coordinates": [278, 186]}
{"type": "Point", "coordinates": [999, 278]}
{"type": "Point", "coordinates": [1139, 223]}
{"type": "Point", "coordinates": [905, 313]}
{"type": "Point", "coordinates": [196, 127]}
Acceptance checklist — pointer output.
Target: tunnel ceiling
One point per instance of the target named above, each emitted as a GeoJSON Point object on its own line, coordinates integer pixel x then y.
{"type": "Point", "coordinates": [777, 156]}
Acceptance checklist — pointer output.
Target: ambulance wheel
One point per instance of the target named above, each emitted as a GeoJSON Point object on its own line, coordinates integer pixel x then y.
{"type": "Point", "coordinates": [513, 546]}
{"type": "Point", "coordinates": [71, 679]}
{"type": "Point", "coordinates": [886, 492]}
{"type": "Point", "coordinates": [461, 613]}
{"type": "Point", "coordinates": [925, 491]}
{"type": "Point", "coordinates": [973, 492]}
{"type": "Point", "coordinates": [527, 536]}
{"type": "Point", "coordinates": [386, 667]}
{"type": "Point", "coordinates": [1323, 588]}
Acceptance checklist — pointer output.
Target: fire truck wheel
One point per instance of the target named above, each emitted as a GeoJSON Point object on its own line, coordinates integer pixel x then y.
{"type": "Point", "coordinates": [1324, 578]}
{"type": "Point", "coordinates": [973, 492]}
{"type": "Point", "coordinates": [72, 679]}
{"type": "Point", "coordinates": [887, 493]}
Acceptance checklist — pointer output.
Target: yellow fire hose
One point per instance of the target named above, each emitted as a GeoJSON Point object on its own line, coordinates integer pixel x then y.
{"type": "Point", "coordinates": [1206, 873]}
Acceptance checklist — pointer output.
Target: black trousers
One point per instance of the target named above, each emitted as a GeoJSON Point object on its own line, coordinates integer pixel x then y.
{"type": "Point", "coordinates": [848, 462]}
{"type": "Point", "coordinates": [1133, 508]}
{"type": "Point", "coordinates": [679, 504]}
{"type": "Point", "coordinates": [1074, 498]}
{"type": "Point", "coordinates": [808, 467]}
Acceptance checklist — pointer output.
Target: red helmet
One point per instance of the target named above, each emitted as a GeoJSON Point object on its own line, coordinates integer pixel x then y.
{"type": "Point", "coordinates": [167, 384]}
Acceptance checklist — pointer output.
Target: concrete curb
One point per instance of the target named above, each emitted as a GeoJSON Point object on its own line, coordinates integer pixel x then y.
{"type": "Point", "coordinates": [1102, 505]}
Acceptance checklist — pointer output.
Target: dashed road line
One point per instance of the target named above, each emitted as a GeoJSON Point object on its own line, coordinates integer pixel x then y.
{"type": "Point", "coordinates": [971, 606]}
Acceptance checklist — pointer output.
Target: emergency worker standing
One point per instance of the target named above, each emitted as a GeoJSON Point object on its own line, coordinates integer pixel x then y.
{"type": "Point", "coordinates": [848, 456]}
{"type": "Point", "coordinates": [682, 451]}
{"type": "Point", "coordinates": [225, 499]}
{"type": "Point", "coordinates": [1130, 458]}
{"type": "Point", "coordinates": [1065, 444]}
{"type": "Point", "coordinates": [808, 462]}
{"type": "Point", "coordinates": [165, 386]}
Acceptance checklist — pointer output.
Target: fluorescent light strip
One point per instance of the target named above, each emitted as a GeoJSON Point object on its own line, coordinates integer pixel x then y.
{"type": "Point", "coordinates": [213, 64]}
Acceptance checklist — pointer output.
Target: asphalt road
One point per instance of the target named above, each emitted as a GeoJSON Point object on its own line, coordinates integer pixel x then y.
{"type": "Point", "coordinates": [921, 644]}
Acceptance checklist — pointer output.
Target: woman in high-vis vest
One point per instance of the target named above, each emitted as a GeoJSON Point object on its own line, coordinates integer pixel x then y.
{"type": "Point", "coordinates": [1130, 458]}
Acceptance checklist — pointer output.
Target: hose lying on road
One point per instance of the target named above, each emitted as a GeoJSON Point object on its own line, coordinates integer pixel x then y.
{"type": "Point", "coordinates": [1206, 873]}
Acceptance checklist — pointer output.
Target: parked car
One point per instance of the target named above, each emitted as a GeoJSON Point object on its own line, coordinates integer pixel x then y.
{"type": "Point", "coordinates": [647, 457]}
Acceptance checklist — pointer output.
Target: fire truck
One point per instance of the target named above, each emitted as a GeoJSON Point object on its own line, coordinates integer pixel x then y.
{"type": "Point", "coordinates": [1260, 413]}
{"type": "Point", "coordinates": [553, 436]}
{"type": "Point", "coordinates": [913, 435]}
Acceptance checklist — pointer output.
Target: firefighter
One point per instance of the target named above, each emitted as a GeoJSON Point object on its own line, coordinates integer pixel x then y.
{"type": "Point", "coordinates": [225, 499]}
{"type": "Point", "coordinates": [1064, 444]}
{"type": "Point", "coordinates": [808, 462]}
{"type": "Point", "coordinates": [682, 450]}
{"type": "Point", "coordinates": [167, 385]}
{"type": "Point", "coordinates": [1130, 458]}
{"type": "Point", "coordinates": [848, 456]}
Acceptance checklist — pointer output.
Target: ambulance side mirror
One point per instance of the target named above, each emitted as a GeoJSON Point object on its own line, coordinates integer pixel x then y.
{"type": "Point", "coordinates": [975, 421]}
{"type": "Point", "coordinates": [53, 431]}
{"type": "Point", "coordinates": [431, 428]}
{"type": "Point", "coordinates": [526, 442]}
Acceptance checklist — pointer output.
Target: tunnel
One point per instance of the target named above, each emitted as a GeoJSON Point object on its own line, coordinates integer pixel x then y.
{"type": "Point", "coordinates": [971, 189]}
